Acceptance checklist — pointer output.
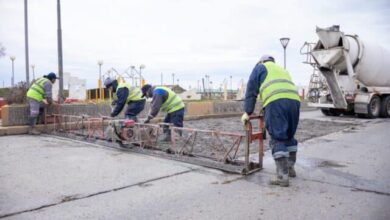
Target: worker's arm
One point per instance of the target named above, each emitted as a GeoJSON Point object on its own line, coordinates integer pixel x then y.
{"type": "Point", "coordinates": [256, 78]}
{"type": "Point", "coordinates": [49, 94]}
{"type": "Point", "coordinates": [159, 96]}
{"type": "Point", "coordinates": [122, 95]}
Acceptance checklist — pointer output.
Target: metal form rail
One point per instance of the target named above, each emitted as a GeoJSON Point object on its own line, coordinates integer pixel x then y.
{"type": "Point", "coordinates": [227, 151]}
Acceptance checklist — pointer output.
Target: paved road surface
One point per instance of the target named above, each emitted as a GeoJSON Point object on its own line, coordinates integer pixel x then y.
{"type": "Point", "coordinates": [343, 175]}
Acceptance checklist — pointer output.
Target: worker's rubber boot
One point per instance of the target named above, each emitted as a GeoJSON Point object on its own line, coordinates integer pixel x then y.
{"type": "Point", "coordinates": [32, 129]}
{"type": "Point", "coordinates": [291, 162]}
{"type": "Point", "coordinates": [167, 135]}
{"type": "Point", "coordinates": [282, 178]}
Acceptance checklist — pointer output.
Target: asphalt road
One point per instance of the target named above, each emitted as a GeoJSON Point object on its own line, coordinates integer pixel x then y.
{"type": "Point", "coordinates": [342, 175]}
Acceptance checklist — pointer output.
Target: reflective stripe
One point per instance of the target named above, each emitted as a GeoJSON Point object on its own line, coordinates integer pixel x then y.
{"type": "Point", "coordinates": [280, 91]}
{"type": "Point", "coordinates": [170, 100]}
{"type": "Point", "coordinates": [292, 148]}
{"type": "Point", "coordinates": [273, 82]}
{"type": "Point", "coordinates": [175, 105]}
{"type": "Point", "coordinates": [38, 91]}
{"type": "Point", "coordinates": [280, 154]}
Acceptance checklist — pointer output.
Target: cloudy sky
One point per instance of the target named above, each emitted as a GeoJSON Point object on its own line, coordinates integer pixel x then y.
{"type": "Point", "coordinates": [189, 38]}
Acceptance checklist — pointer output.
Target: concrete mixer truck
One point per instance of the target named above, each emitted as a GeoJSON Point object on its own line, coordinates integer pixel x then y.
{"type": "Point", "coordinates": [349, 76]}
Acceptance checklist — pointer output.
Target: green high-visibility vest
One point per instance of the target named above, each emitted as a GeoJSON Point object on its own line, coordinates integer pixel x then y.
{"type": "Point", "coordinates": [135, 93]}
{"type": "Point", "coordinates": [173, 102]}
{"type": "Point", "coordinates": [37, 90]}
{"type": "Point", "coordinates": [277, 85]}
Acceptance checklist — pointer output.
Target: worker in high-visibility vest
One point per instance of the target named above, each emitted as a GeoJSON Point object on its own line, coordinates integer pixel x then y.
{"type": "Point", "coordinates": [39, 94]}
{"type": "Point", "coordinates": [281, 104]}
{"type": "Point", "coordinates": [163, 98]}
{"type": "Point", "coordinates": [126, 94]}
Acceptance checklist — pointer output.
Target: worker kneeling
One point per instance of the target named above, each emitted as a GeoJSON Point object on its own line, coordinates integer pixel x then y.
{"type": "Point", "coordinates": [281, 104]}
{"type": "Point", "coordinates": [165, 99]}
{"type": "Point", "coordinates": [39, 95]}
{"type": "Point", "coordinates": [126, 94]}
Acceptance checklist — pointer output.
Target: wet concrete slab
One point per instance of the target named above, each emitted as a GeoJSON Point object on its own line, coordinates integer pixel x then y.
{"type": "Point", "coordinates": [341, 175]}
{"type": "Point", "coordinates": [203, 195]}
{"type": "Point", "coordinates": [41, 171]}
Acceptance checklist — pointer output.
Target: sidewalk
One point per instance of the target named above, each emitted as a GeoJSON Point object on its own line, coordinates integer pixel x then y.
{"type": "Point", "coordinates": [344, 175]}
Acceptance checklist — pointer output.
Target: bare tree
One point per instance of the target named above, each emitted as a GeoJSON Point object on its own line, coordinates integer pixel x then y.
{"type": "Point", "coordinates": [2, 50]}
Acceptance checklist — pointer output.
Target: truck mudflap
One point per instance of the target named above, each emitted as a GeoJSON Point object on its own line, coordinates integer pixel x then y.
{"type": "Point", "coordinates": [226, 151]}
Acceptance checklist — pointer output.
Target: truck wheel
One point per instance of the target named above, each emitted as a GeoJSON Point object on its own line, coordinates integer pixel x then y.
{"type": "Point", "coordinates": [335, 112]}
{"type": "Point", "coordinates": [373, 107]}
{"type": "Point", "coordinates": [331, 112]}
{"type": "Point", "coordinates": [385, 107]}
{"type": "Point", "coordinates": [325, 111]}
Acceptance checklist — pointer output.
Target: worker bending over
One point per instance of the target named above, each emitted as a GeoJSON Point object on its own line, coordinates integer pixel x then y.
{"type": "Point", "coordinates": [166, 100]}
{"type": "Point", "coordinates": [281, 104]}
{"type": "Point", "coordinates": [39, 95]}
{"type": "Point", "coordinates": [125, 94]}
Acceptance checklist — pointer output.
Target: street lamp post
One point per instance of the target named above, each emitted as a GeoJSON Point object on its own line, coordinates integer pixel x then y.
{"type": "Point", "coordinates": [100, 63]}
{"type": "Point", "coordinates": [173, 79]}
{"type": "Point", "coordinates": [231, 82]}
{"type": "Point", "coordinates": [134, 83]}
{"type": "Point", "coordinates": [33, 67]}
{"type": "Point", "coordinates": [284, 41]}
{"type": "Point", "coordinates": [13, 73]}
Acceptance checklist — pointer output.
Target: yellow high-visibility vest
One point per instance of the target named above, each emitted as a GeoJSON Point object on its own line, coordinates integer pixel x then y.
{"type": "Point", "coordinates": [135, 93]}
{"type": "Point", "coordinates": [37, 90]}
{"type": "Point", "coordinates": [277, 85]}
{"type": "Point", "coordinates": [173, 102]}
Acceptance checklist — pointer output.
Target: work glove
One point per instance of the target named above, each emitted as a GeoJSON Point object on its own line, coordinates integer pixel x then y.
{"type": "Point", "coordinates": [45, 102]}
{"type": "Point", "coordinates": [112, 115]}
{"type": "Point", "coordinates": [244, 118]}
{"type": "Point", "coordinates": [113, 102]}
{"type": "Point", "coordinates": [147, 120]}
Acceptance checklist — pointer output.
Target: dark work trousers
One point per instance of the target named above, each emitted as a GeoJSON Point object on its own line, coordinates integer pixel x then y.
{"type": "Point", "coordinates": [281, 121]}
{"type": "Point", "coordinates": [176, 118]}
{"type": "Point", "coordinates": [134, 108]}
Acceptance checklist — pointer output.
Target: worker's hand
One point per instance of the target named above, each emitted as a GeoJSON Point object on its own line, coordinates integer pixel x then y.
{"type": "Point", "coordinates": [45, 102]}
{"type": "Point", "coordinates": [147, 121]}
{"type": "Point", "coordinates": [112, 115]}
{"type": "Point", "coordinates": [113, 102]}
{"type": "Point", "coordinates": [244, 118]}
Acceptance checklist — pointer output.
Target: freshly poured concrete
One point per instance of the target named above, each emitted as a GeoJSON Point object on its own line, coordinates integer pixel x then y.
{"type": "Point", "coordinates": [344, 175]}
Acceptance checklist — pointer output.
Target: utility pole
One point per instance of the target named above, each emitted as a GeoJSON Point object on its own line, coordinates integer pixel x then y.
{"type": "Point", "coordinates": [26, 41]}
{"type": "Point", "coordinates": [60, 69]}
